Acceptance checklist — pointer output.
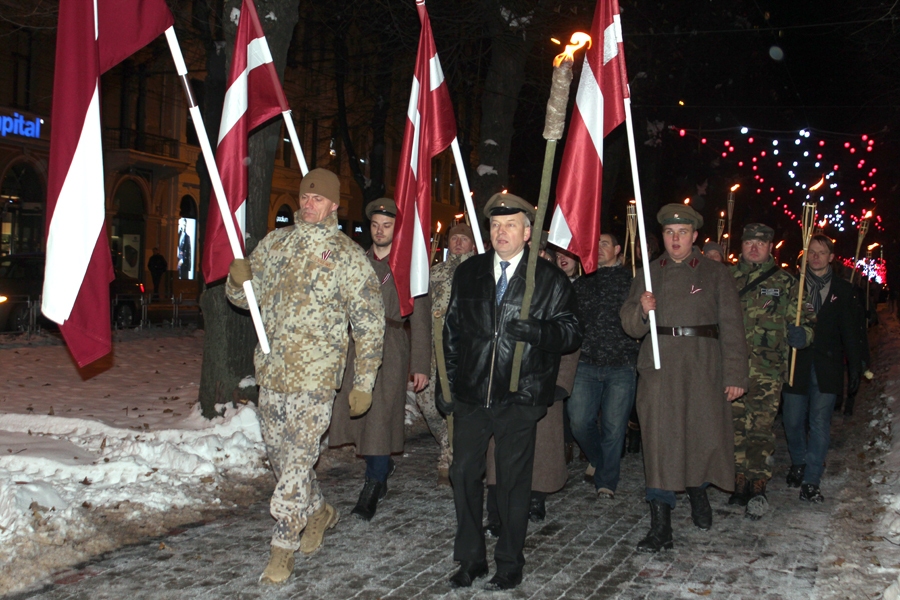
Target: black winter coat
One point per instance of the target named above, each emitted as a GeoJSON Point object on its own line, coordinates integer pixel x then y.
{"type": "Point", "coordinates": [479, 353]}
{"type": "Point", "coordinates": [836, 337]}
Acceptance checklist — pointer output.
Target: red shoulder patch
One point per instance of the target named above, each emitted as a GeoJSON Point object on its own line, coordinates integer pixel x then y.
{"type": "Point", "coordinates": [663, 262]}
{"type": "Point", "coordinates": [694, 262]}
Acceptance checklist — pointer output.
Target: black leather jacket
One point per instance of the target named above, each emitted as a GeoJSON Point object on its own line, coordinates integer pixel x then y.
{"type": "Point", "coordinates": [478, 352]}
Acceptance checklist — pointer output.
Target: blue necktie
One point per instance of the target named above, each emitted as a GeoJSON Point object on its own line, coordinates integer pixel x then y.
{"type": "Point", "coordinates": [502, 283]}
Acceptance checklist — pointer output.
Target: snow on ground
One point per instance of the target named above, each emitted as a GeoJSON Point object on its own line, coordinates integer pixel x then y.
{"type": "Point", "coordinates": [125, 432]}
{"type": "Point", "coordinates": [884, 422]}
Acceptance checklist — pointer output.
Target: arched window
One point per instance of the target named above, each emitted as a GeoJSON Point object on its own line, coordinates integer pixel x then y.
{"type": "Point", "coordinates": [284, 216]}
{"type": "Point", "coordinates": [128, 228]}
{"type": "Point", "coordinates": [22, 203]}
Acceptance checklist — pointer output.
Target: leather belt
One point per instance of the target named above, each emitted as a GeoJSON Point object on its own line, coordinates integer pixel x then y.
{"type": "Point", "coordinates": [393, 323]}
{"type": "Point", "coordinates": [710, 331]}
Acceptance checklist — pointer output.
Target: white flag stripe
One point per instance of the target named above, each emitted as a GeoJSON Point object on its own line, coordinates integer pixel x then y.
{"type": "Point", "coordinates": [559, 234]}
{"type": "Point", "coordinates": [589, 103]}
{"type": "Point", "coordinates": [610, 43]}
{"type": "Point", "coordinates": [236, 96]}
{"type": "Point", "coordinates": [435, 73]}
{"type": "Point", "coordinates": [617, 23]}
{"type": "Point", "coordinates": [418, 268]}
{"type": "Point", "coordinates": [76, 224]}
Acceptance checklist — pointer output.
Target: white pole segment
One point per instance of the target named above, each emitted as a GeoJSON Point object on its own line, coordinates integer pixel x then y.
{"type": "Point", "coordinates": [467, 194]}
{"type": "Point", "coordinates": [295, 141]}
{"type": "Point", "coordinates": [210, 160]}
{"type": "Point", "coordinates": [645, 258]}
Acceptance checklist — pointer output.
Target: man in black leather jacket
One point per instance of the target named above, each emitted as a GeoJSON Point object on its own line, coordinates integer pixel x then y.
{"type": "Point", "coordinates": [481, 329]}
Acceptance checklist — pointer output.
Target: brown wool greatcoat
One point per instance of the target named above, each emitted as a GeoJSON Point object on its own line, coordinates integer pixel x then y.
{"type": "Point", "coordinates": [380, 431]}
{"type": "Point", "coordinates": [550, 472]}
{"type": "Point", "coordinates": [686, 422]}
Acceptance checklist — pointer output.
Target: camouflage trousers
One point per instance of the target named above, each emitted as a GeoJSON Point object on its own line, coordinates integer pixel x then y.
{"type": "Point", "coordinates": [292, 425]}
{"type": "Point", "coordinates": [754, 435]}
{"type": "Point", "coordinates": [437, 424]}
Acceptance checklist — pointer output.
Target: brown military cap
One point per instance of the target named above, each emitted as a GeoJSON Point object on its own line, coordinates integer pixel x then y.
{"type": "Point", "coordinates": [508, 204]}
{"type": "Point", "coordinates": [461, 229]}
{"type": "Point", "coordinates": [323, 183]}
{"type": "Point", "coordinates": [758, 231]}
{"type": "Point", "coordinates": [672, 214]}
{"type": "Point", "coordinates": [710, 246]}
{"type": "Point", "coordinates": [382, 206]}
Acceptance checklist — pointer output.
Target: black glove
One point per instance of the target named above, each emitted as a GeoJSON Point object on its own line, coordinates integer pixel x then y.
{"type": "Point", "coordinates": [559, 394]}
{"type": "Point", "coordinates": [796, 336]}
{"type": "Point", "coordinates": [853, 378]}
{"type": "Point", "coordinates": [525, 331]}
{"type": "Point", "coordinates": [444, 405]}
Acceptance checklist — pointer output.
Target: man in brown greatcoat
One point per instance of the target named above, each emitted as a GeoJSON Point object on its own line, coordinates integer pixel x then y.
{"type": "Point", "coordinates": [686, 420]}
{"type": "Point", "coordinates": [379, 433]}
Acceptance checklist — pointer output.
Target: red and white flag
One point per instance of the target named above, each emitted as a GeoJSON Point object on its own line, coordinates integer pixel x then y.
{"type": "Point", "coordinates": [599, 108]}
{"type": "Point", "coordinates": [254, 96]}
{"type": "Point", "coordinates": [430, 128]}
{"type": "Point", "coordinates": [92, 37]}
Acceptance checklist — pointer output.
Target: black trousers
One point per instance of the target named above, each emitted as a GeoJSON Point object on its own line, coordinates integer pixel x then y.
{"type": "Point", "coordinates": [513, 429]}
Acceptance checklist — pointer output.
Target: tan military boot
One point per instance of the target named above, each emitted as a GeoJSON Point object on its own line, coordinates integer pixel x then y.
{"type": "Point", "coordinates": [280, 567]}
{"type": "Point", "coordinates": [323, 519]}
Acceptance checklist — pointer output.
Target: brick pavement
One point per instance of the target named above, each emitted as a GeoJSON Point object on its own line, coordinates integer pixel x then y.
{"type": "Point", "coordinates": [584, 549]}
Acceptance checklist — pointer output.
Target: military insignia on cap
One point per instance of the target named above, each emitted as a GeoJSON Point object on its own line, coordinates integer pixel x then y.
{"type": "Point", "coordinates": [312, 185]}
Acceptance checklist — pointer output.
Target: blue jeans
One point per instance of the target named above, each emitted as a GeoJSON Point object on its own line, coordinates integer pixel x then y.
{"type": "Point", "coordinates": [609, 392]}
{"type": "Point", "coordinates": [810, 414]}
{"type": "Point", "coordinates": [664, 496]}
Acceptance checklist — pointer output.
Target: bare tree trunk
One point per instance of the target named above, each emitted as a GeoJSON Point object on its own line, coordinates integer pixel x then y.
{"type": "Point", "coordinates": [230, 337]}
{"type": "Point", "coordinates": [504, 79]}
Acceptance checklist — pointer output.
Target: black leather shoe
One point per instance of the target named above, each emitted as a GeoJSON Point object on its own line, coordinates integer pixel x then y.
{"type": "Point", "coordinates": [468, 572]}
{"type": "Point", "coordinates": [504, 581]}
{"type": "Point", "coordinates": [660, 535]}
{"type": "Point", "coordinates": [701, 511]}
{"type": "Point", "coordinates": [809, 492]}
{"type": "Point", "coordinates": [492, 529]}
{"type": "Point", "coordinates": [537, 510]}
{"type": "Point", "coordinates": [372, 492]}
{"type": "Point", "coordinates": [795, 475]}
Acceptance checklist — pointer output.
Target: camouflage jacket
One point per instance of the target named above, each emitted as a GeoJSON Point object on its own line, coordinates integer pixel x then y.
{"type": "Point", "coordinates": [310, 280]}
{"type": "Point", "coordinates": [442, 282]}
{"type": "Point", "coordinates": [768, 309]}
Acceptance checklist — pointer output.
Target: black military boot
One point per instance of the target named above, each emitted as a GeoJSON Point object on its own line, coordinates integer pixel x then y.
{"type": "Point", "coordinates": [537, 509]}
{"type": "Point", "coordinates": [660, 535]}
{"type": "Point", "coordinates": [795, 475]}
{"type": "Point", "coordinates": [701, 511]}
{"type": "Point", "coordinates": [741, 490]}
{"type": "Point", "coordinates": [372, 492]}
{"type": "Point", "coordinates": [758, 505]}
{"type": "Point", "coordinates": [633, 437]}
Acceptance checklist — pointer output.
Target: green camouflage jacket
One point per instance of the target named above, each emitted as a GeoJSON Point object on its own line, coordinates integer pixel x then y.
{"type": "Point", "coordinates": [310, 280]}
{"type": "Point", "coordinates": [442, 282]}
{"type": "Point", "coordinates": [768, 309]}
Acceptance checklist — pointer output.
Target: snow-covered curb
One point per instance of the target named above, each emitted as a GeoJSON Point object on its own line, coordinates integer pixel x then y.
{"type": "Point", "coordinates": [90, 464]}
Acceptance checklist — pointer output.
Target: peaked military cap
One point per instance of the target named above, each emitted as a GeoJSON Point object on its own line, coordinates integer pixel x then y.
{"type": "Point", "coordinates": [382, 206]}
{"type": "Point", "coordinates": [758, 231]}
{"type": "Point", "coordinates": [673, 214]}
{"type": "Point", "coordinates": [508, 204]}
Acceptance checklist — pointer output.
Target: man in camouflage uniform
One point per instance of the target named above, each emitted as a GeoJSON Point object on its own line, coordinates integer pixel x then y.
{"type": "Point", "coordinates": [769, 300]}
{"type": "Point", "coordinates": [310, 280]}
{"type": "Point", "coordinates": [461, 246]}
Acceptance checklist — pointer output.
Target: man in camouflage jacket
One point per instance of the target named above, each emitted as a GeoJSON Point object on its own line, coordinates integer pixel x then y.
{"type": "Point", "coordinates": [310, 280]}
{"type": "Point", "coordinates": [768, 296]}
{"type": "Point", "coordinates": [461, 247]}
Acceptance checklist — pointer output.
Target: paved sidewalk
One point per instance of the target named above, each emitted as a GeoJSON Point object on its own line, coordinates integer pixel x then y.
{"type": "Point", "coordinates": [584, 549]}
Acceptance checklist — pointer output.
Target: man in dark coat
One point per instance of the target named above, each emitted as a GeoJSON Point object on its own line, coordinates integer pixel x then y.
{"type": "Point", "coordinates": [684, 406]}
{"type": "Point", "coordinates": [819, 375]}
{"type": "Point", "coordinates": [379, 433]}
{"type": "Point", "coordinates": [157, 265]}
{"type": "Point", "coordinates": [481, 329]}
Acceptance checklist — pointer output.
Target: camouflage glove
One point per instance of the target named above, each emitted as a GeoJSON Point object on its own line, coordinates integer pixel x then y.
{"type": "Point", "coordinates": [796, 336]}
{"type": "Point", "coordinates": [525, 331]}
{"type": "Point", "coordinates": [239, 271]}
{"type": "Point", "coordinates": [360, 402]}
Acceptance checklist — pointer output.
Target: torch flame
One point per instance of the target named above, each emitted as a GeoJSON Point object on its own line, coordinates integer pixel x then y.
{"type": "Point", "coordinates": [868, 215]}
{"type": "Point", "coordinates": [873, 246]}
{"type": "Point", "coordinates": [735, 187]}
{"type": "Point", "coordinates": [818, 185]}
{"type": "Point", "coordinates": [439, 227]}
{"type": "Point", "coordinates": [579, 39]}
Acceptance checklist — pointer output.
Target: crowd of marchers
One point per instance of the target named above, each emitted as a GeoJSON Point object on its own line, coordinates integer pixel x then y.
{"type": "Point", "coordinates": [698, 363]}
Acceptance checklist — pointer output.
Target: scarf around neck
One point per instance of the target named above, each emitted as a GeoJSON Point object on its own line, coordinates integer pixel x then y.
{"type": "Point", "coordinates": [816, 285]}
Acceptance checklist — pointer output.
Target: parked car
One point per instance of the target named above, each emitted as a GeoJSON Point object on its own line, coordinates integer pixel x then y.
{"type": "Point", "coordinates": [22, 281]}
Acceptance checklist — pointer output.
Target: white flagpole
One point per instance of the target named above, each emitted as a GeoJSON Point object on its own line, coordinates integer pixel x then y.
{"type": "Point", "coordinates": [219, 190]}
{"type": "Point", "coordinates": [295, 141]}
{"type": "Point", "coordinates": [645, 258]}
{"type": "Point", "coordinates": [467, 194]}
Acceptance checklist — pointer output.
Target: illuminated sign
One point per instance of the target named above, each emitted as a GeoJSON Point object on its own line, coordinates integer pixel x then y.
{"type": "Point", "coordinates": [19, 125]}
{"type": "Point", "coordinates": [282, 219]}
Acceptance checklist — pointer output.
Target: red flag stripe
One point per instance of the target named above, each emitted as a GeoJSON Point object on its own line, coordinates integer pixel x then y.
{"type": "Point", "coordinates": [599, 108]}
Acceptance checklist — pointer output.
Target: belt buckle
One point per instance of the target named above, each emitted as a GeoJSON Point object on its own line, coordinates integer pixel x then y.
{"type": "Point", "coordinates": [678, 331]}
